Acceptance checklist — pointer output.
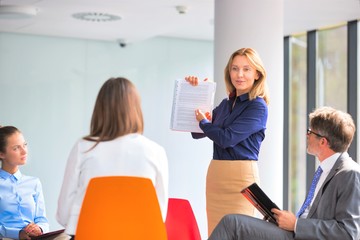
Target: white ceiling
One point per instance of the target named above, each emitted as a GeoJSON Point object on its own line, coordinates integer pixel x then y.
{"type": "Point", "coordinates": [143, 19]}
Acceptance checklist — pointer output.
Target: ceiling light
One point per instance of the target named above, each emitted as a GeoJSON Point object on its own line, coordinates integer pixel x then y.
{"type": "Point", "coordinates": [16, 11]}
{"type": "Point", "coordinates": [96, 16]}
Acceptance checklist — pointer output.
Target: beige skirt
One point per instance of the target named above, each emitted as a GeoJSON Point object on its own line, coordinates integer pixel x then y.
{"type": "Point", "coordinates": [224, 182]}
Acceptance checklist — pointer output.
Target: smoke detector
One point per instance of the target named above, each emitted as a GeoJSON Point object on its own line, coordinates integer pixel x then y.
{"type": "Point", "coordinates": [181, 9]}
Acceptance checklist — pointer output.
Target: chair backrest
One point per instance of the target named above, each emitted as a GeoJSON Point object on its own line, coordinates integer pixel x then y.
{"type": "Point", "coordinates": [120, 207]}
{"type": "Point", "coordinates": [180, 221]}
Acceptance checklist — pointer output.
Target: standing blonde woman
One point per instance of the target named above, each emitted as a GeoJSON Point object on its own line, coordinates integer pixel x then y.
{"type": "Point", "coordinates": [237, 128]}
{"type": "Point", "coordinates": [115, 146]}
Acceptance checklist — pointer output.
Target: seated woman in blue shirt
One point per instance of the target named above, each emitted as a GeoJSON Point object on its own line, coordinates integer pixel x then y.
{"type": "Point", "coordinates": [237, 129]}
{"type": "Point", "coordinates": [22, 207]}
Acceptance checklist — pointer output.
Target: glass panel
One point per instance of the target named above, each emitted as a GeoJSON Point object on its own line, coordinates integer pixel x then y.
{"type": "Point", "coordinates": [332, 68]}
{"type": "Point", "coordinates": [297, 122]}
{"type": "Point", "coordinates": [358, 90]}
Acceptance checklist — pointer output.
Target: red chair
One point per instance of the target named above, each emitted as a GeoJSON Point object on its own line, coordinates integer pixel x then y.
{"type": "Point", "coordinates": [180, 221]}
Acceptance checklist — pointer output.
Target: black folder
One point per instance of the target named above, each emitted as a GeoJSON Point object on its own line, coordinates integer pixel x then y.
{"type": "Point", "coordinates": [49, 234]}
{"type": "Point", "coordinates": [261, 201]}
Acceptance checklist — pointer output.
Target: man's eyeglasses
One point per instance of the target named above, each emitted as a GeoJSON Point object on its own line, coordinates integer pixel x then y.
{"type": "Point", "coordinates": [316, 134]}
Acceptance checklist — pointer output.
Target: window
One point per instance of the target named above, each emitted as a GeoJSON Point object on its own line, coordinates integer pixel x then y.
{"type": "Point", "coordinates": [332, 68]}
{"type": "Point", "coordinates": [297, 121]}
{"type": "Point", "coordinates": [328, 51]}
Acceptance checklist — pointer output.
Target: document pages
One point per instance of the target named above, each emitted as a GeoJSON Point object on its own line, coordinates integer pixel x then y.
{"type": "Point", "coordinates": [186, 100]}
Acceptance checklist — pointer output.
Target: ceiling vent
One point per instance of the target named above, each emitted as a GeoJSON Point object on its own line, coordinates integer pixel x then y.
{"type": "Point", "coordinates": [96, 16]}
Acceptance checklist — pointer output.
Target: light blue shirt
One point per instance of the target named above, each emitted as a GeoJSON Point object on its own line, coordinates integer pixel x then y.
{"type": "Point", "coordinates": [21, 202]}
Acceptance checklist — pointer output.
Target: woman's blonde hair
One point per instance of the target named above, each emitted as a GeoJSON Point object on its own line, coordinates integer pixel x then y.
{"type": "Point", "coordinates": [259, 88]}
{"type": "Point", "coordinates": [117, 111]}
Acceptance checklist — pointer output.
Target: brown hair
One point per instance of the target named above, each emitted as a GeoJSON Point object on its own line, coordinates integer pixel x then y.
{"type": "Point", "coordinates": [336, 126]}
{"type": "Point", "coordinates": [259, 88]}
{"type": "Point", "coordinates": [5, 133]}
{"type": "Point", "coordinates": [117, 111]}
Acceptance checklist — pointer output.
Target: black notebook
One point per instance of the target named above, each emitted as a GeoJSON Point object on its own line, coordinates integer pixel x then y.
{"type": "Point", "coordinates": [261, 201]}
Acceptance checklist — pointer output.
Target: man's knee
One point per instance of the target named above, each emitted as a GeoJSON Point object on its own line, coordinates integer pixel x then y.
{"type": "Point", "coordinates": [231, 219]}
{"type": "Point", "coordinates": [225, 228]}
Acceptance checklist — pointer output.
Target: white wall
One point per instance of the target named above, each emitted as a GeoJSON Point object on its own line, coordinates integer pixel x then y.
{"type": "Point", "coordinates": [48, 87]}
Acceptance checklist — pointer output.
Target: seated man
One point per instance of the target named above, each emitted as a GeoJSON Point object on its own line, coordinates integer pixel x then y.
{"type": "Point", "coordinates": [331, 210]}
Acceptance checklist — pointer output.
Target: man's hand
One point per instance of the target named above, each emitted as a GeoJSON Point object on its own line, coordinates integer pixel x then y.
{"type": "Point", "coordinates": [285, 219]}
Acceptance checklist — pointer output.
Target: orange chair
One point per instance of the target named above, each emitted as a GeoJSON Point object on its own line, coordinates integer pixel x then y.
{"type": "Point", "coordinates": [120, 208]}
{"type": "Point", "coordinates": [180, 221]}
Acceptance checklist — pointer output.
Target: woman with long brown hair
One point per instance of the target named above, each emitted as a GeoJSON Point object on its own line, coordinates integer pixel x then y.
{"type": "Point", "coordinates": [115, 146]}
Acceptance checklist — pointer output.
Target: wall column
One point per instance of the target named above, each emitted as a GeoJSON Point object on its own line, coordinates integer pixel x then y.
{"type": "Point", "coordinates": [257, 24]}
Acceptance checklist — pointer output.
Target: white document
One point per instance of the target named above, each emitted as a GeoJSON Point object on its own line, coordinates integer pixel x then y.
{"type": "Point", "coordinates": [187, 99]}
